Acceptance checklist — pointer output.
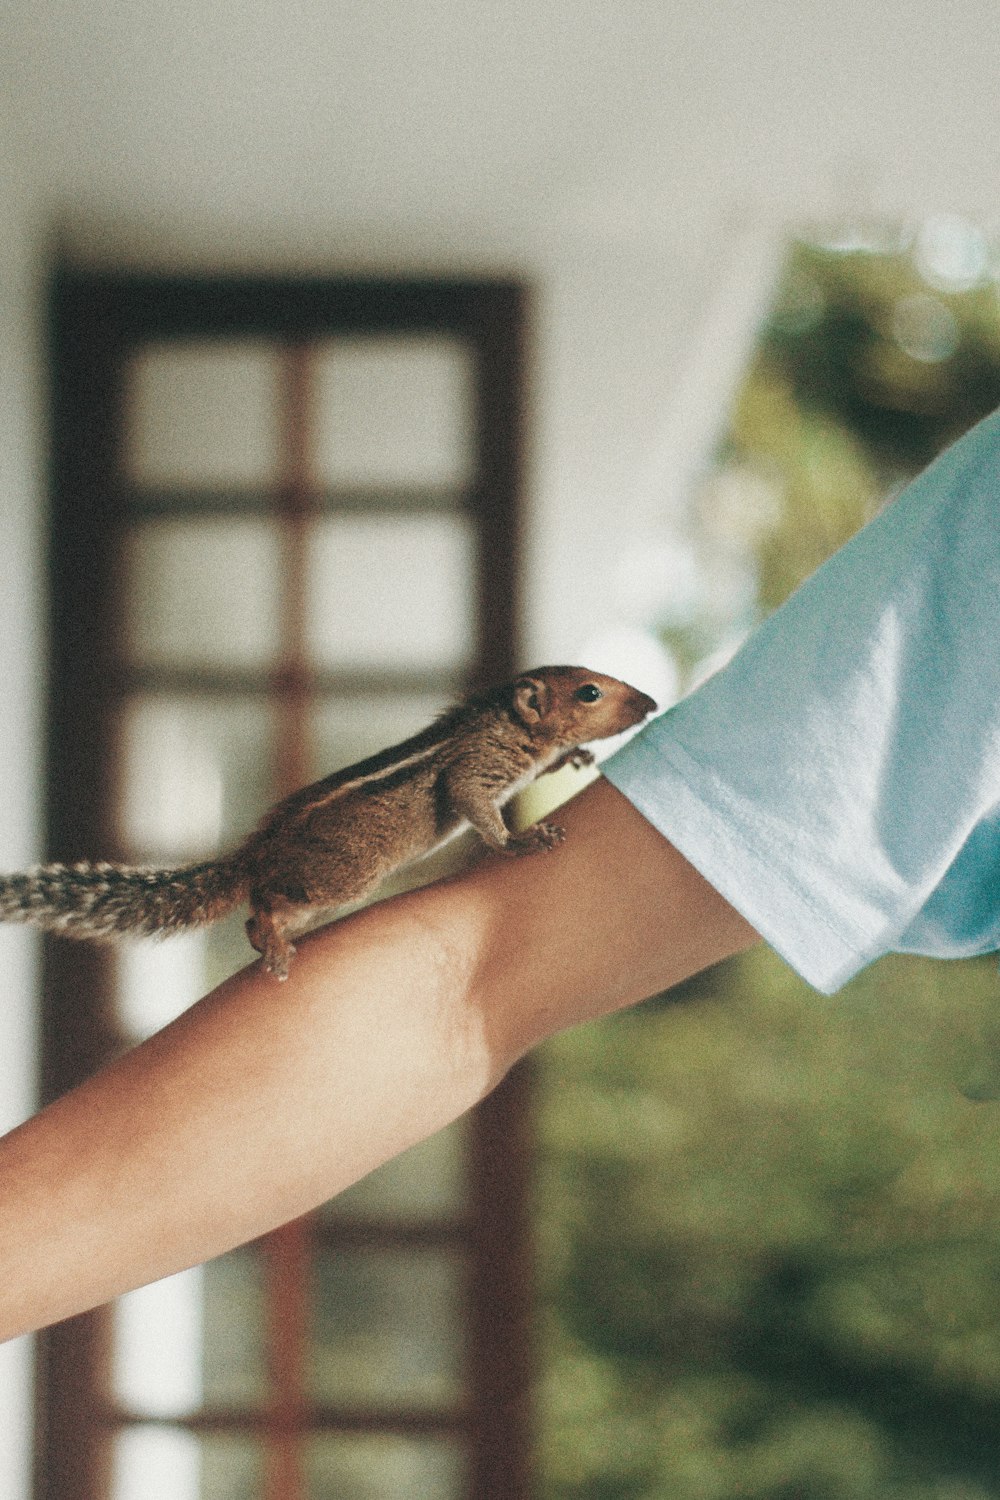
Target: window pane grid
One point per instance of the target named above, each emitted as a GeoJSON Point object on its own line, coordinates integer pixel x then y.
{"type": "Point", "coordinates": [165, 657]}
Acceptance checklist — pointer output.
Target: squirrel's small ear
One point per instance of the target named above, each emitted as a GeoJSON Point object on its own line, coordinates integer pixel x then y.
{"type": "Point", "coordinates": [531, 699]}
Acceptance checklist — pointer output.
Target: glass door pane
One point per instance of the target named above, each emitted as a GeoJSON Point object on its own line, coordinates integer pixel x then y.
{"type": "Point", "coordinates": [202, 413]}
{"type": "Point", "coordinates": [388, 1327]}
{"type": "Point", "coordinates": [392, 592]}
{"type": "Point", "coordinates": [195, 1339]}
{"type": "Point", "coordinates": [425, 1185]}
{"type": "Point", "coordinates": [394, 411]}
{"type": "Point", "coordinates": [202, 592]}
{"type": "Point", "coordinates": [170, 1463]}
{"type": "Point", "coordinates": [349, 727]}
{"type": "Point", "coordinates": [384, 1468]}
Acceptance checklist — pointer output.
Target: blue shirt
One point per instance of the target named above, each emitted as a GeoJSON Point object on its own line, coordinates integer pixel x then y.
{"type": "Point", "coordinates": [838, 781]}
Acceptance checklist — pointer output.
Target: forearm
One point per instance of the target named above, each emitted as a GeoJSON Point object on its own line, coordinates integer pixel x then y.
{"type": "Point", "coordinates": [258, 1103]}
{"type": "Point", "coordinates": [263, 1100]}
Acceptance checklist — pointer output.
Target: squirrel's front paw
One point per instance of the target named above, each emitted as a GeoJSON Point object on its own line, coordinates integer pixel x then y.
{"type": "Point", "coordinates": [577, 758]}
{"type": "Point", "coordinates": [538, 836]}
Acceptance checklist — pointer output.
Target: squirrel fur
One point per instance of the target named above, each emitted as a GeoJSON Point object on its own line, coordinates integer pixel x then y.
{"type": "Point", "coordinates": [334, 842]}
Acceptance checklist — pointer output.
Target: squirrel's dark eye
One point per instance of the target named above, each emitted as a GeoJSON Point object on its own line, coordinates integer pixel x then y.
{"type": "Point", "coordinates": [589, 693]}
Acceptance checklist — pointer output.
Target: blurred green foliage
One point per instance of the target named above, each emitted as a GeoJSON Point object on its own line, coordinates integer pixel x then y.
{"type": "Point", "coordinates": [837, 414]}
{"type": "Point", "coordinates": [769, 1221]}
{"type": "Point", "coordinates": [769, 1241]}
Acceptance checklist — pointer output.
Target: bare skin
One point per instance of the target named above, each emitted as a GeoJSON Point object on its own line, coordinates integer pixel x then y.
{"type": "Point", "coordinates": [258, 1104]}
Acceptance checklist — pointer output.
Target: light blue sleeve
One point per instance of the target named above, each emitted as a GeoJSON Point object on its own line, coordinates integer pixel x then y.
{"type": "Point", "coordinates": [839, 780]}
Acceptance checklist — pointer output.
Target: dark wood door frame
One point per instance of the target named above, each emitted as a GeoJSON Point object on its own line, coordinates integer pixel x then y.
{"type": "Point", "coordinates": [96, 319]}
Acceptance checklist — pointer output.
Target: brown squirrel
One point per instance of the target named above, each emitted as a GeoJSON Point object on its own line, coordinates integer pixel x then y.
{"type": "Point", "coordinates": [334, 842]}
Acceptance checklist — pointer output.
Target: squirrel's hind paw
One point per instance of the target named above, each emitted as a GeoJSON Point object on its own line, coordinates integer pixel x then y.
{"type": "Point", "coordinates": [538, 836]}
{"type": "Point", "coordinates": [271, 943]}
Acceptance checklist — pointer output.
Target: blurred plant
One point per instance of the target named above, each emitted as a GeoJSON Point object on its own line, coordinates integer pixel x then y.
{"type": "Point", "coordinates": [768, 1221]}
{"type": "Point", "coordinates": [872, 361]}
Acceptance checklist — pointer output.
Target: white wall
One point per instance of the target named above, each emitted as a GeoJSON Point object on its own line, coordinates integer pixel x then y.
{"type": "Point", "coordinates": [20, 695]}
{"type": "Point", "coordinates": [611, 152]}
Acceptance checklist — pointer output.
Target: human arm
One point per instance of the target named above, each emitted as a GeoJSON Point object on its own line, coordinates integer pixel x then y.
{"type": "Point", "coordinates": [262, 1101]}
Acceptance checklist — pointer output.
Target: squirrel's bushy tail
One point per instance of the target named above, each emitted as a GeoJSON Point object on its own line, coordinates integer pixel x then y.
{"type": "Point", "coordinates": [101, 900]}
